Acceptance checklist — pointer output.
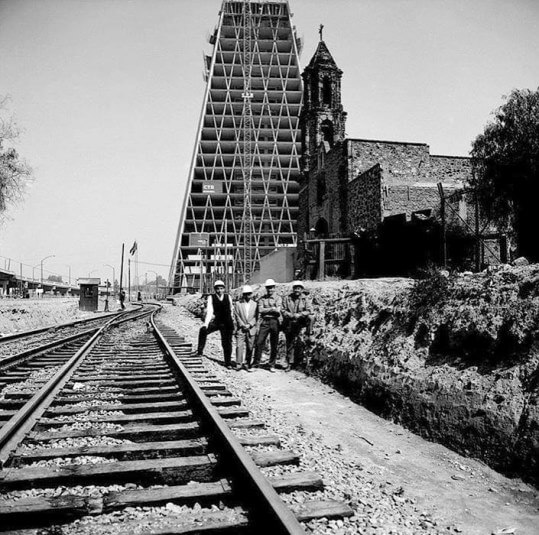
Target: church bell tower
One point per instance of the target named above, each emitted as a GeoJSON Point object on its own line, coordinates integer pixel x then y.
{"type": "Point", "coordinates": [322, 119]}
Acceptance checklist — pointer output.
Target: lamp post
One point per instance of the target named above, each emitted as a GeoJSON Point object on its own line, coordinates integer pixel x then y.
{"type": "Point", "coordinates": [43, 260]}
{"type": "Point", "coordinates": [113, 275]}
{"type": "Point", "coordinates": [34, 272]}
{"type": "Point", "coordinates": [156, 283]}
{"type": "Point", "coordinates": [68, 266]}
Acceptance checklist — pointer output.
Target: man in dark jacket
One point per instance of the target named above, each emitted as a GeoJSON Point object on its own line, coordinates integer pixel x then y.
{"type": "Point", "coordinates": [219, 317]}
{"type": "Point", "coordinates": [297, 314]}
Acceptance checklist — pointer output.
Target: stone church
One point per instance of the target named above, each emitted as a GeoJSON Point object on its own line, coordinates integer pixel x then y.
{"type": "Point", "coordinates": [352, 185]}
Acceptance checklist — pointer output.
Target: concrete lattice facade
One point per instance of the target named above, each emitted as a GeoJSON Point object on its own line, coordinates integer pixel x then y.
{"type": "Point", "coordinates": [212, 226]}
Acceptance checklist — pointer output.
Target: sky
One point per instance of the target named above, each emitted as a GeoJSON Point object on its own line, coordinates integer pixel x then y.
{"type": "Point", "coordinates": [108, 95]}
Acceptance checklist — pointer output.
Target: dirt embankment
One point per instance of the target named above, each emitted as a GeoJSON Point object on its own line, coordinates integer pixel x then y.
{"type": "Point", "coordinates": [455, 359]}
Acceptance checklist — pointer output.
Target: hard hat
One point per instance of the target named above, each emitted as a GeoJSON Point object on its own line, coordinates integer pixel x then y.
{"type": "Point", "coordinates": [269, 282]}
{"type": "Point", "coordinates": [247, 290]}
{"type": "Point", "coordinates": [298, 283]}
{"type": "Point", "coordinates": [218, 283]}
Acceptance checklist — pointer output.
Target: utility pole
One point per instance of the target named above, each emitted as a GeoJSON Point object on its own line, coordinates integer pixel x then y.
{"type": "Point", "coordinates": [477, 235]}
{"type": "Point", "coordinates": [122, 269]}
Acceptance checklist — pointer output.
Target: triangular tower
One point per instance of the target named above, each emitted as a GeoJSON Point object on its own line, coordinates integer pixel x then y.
{"type": "Point", "coordinates": [242, 194]}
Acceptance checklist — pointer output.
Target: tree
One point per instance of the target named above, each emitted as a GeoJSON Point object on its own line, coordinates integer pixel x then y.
{"type": "Point", "coordinates": [14, 172]}
{"type": "Point", "coordinates": [55, 278]}
{"type": "Point", "coordinates": [505, 160]}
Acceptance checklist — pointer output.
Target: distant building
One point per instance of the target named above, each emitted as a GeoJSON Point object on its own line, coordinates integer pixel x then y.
{"type": "Point", "coordinates": [352, 186]}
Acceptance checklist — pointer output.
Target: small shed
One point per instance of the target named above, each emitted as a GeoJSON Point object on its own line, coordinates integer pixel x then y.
{"type": "Point", "coordinates": [89, 294]}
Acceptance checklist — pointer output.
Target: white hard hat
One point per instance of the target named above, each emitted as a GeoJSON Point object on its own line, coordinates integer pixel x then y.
{"type": "Point", "coordinates": [218, 283]}
{"type": "Point", "coordinates": [269, 282]}
{"type": "Point", "coordinates": [298, 283]}
{"type": "Point", "coordinates": [247, 290]}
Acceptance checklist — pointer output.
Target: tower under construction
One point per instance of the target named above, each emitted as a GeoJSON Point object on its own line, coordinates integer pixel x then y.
{"type": "Point", "coordinates": [241, 201]}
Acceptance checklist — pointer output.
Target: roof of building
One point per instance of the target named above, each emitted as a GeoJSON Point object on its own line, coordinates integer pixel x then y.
{"type": "Point", "coordinates": [322, 57]}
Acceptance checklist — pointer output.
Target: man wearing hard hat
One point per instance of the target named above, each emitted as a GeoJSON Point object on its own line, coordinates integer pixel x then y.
{"type": "Point", "coordinates": [269, 312]}
{"type": "Point", "coordinates": [219, 317]}
{"type": "Point", "coordinates": [245, 311]}
{"type": "Point", "coordinates": [297, 314]}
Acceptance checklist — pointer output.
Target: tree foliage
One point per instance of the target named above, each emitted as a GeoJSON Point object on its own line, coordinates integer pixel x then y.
{"type": "Point", "coordinates": [14, 172]}
{"type": "Point", "coordinates": [506, 168]}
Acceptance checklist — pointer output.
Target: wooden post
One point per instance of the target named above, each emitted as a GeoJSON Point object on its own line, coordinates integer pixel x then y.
{"type": "Point", "coordinates": [353, 260]}
{"type": "Point", "coordinates": [477, 235]}
{"type": "Point", "coordinates": [442, 215]}
{"type": "Point", "coordinates": [322, 261]}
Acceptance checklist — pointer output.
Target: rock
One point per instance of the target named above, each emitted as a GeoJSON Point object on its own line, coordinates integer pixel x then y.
{"type": "Point", "coordinates": [520, 261]}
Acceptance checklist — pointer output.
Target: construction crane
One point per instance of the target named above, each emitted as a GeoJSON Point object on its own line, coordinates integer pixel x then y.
{"type": "Point", "coordinates": [247, 135]}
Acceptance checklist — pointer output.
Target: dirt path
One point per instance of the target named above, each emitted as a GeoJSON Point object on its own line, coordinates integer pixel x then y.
{"type": "Point", "coordinates": [454, 493]}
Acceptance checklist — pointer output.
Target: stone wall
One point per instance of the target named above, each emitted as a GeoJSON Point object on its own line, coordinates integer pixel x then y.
{"type": "Point", "coordinates": [365, 200]}
{"type": "Point", "coordinates": [449, 169]}
{"type": "Point", "coordinates": [406, 199]}
{"type": "Point", "coordinates": [406, 163]}
{"type": "Point", "coordinates": [327, 193]}
{"type": "Point", "coordinates": [400, 162]}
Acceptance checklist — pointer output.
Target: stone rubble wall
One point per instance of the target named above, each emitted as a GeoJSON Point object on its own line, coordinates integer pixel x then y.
{"type": "Point", "coordinates": [365, 200]}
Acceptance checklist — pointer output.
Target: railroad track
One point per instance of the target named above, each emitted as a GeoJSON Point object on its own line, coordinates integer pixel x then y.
{"type": "Point", "coordinates": [134, 434]}
{"type": "Point", "coordinates": [17, 347]}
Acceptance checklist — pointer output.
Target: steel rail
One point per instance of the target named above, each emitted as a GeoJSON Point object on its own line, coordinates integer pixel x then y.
{"type": "Point", "coordinates": [24, 355]}
{"type": "Point", "coordinates": [273, 515]}
{"type": "Point", "coordinates": [18, 426]}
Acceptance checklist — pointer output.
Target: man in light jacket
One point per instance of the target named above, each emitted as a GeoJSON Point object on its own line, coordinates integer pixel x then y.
{"type": "Point", "coordinates": [245, 311]}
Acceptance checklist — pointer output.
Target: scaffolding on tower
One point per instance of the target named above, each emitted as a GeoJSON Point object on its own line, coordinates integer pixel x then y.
{"type": "Point", "coordinates": [247, 230]}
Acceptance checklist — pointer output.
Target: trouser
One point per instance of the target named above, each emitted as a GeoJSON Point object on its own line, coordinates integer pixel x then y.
{"type": "Point", "coordinates": [269, 327]}
{"type": "Point", "coordinates": [291, 332]}
{"type": "Point", "coordinates": [226, 338]}
{"type": "Point", "coordinates": [244, 347]}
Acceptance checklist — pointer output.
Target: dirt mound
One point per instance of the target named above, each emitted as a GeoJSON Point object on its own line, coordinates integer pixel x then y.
{"type": "Point", "coordinates": [453, 358]}
{"type": "Point", "coordinates": [26, 314]}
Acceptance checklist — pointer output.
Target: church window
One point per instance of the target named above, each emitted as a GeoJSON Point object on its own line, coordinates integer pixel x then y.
{"type": "Point", "coordinates": [326, 129]}
{"type": "Point", "coordinates": [326, 91]}
{"type": "Point", "coordinates": [321, 188]}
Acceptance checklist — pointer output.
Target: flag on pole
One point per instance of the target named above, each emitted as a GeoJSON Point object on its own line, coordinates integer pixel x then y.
{"type": "Point", "coordinates": [133, 249]}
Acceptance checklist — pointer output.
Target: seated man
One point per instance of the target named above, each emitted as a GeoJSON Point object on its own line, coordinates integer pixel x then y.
{"type": "Point", "coordinates": [219, 317]}
{"type": "Point", "coordinates": [297, 314]}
